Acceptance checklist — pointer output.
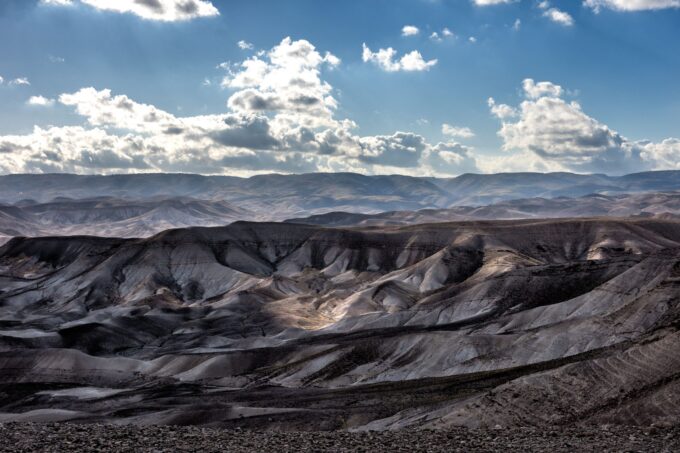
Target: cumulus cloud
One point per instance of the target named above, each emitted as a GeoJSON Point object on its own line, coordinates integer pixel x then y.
{"type": "Point", "coordinates": [556, 15]}
{"type": "Point", "coordinates": [501, 111]}
{"type": "Point", "coordinates": [410, 30]}
{"type": "Point", "coordinates": [631, 5]}
{"type": "Point", "coordinates": [244, 45]}
{"type": "Point", "coordinates": [665, 155]}
{"type": "Point", "coordinates": [535, 90]}
{"type": "Point", "coordinates": [439, 37]}
{"type": "Point", "coordinates": [285, 81]}
{"type": "Point", "coordinates": [559, 135]}
{"type": "Point", "coordinates": [448, 158]}
{"type": "Point", "coordinates": [403, 149]}
{"type": "Point", "coordinates": [387, 60]}
{"type": "Point", "coordinates": [40, 101]}
{"type": "Point", "coordinates": [2, 80]}
{"type": "Point", "coordinates": [19, 81]}
{"type": "Point", "coordinates": [158, 10]}
{"type": "Point", "coordinates": [281, 117]}
{"type": "Point", "coordinates": [455, 131]}
{"type": "Point", "coordinates": [100, 108]}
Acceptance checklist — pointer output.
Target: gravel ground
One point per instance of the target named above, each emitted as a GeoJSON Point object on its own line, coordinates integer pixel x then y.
{"type": "Point", "coordinates": [27, 437]}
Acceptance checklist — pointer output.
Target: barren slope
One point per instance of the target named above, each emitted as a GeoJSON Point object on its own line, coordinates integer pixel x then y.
{"type": "Point", "coordinates": [289, 326]}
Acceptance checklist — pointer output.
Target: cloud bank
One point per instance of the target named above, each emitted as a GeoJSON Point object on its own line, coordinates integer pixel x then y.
{"type": "Point", "coordinates": [386, 59]}
{"type": "Point", "coordinates": [157, 10]}
{"type": "Point", "coordinates": [281, 117]}
{"type": "Point", "coordinates": [550, 133]}
{"type": "Point", "coordinates": [631, 5]}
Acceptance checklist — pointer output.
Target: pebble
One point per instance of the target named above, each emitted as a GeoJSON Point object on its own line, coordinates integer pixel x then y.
{"type": "Point", "coordinates": [66, 437]}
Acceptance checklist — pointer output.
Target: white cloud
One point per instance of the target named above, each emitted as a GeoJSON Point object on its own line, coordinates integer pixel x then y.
{"type": "Point", "coordinates": [445, 34]}
{"type": "Point", "coordinates": [403, 149]}
{"type": "Point", "coordinates": [558, 135]}
{"type": "Point", "coordinates": [501, 111]}
{"type": "Point", "coordinates": [331, 60]}
{"type": "Point", "coordinates": [2, 80]}
{"type": "Point", "coordinates": [100, 108]}
{"type": "Point", "coordinates": [665, 155]}
{"type": "Point", "coordinates": [40, 101]}
{"type": "Point", "coordinates": [54, 59]}
{"type": "Point", "coordinates": [631, 5]}
{"type": "Point", "coordinates": [159, 10]}
{"type": "Point", "coordinates": [455, 131]}
{"type": "Point", "coordinates": [244, 45]}
{"type": "Point", "coordinates": [410, 30]}
{"type": "Point", "coordinates": [20, 81]}
{"type": "Point", "coordinates": [288, 84]}
{"type": "Point", "coordinates": [57, 2]}
{"type": "Point", "coordinates": [535, 90]}
{"type": "Point", "coordinates": [387, 60]}
{"type": "Point", "coordinates": [556, 15]}
{"type": "Point", "coordinates": [560, 17]}
{"type": "Point", "coordinates": [517, 25]}
{"type": "Point", "coordinates": [472, 39]}
{"type": "Point", "coordinates": [282, 117]}
{"type": "Point", "coordinates": [450, 158]}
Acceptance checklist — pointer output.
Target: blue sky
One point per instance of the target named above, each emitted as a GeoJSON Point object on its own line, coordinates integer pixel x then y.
{"type": "Point", "coordinates": [610, 102]}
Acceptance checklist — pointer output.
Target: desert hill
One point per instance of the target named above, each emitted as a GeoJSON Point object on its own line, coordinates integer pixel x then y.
{"type": "Point", "coordinates": [269, 325]}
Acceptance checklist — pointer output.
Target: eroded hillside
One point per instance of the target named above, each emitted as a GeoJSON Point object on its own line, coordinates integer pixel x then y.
{"type": "Point", "coordinates": [302, 327]}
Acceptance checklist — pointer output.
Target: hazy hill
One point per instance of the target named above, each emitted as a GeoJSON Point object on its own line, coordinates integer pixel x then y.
{"type": "Point", "coordinates": [332, 190]}
{"type": "Point", "coordinates": [142, 205]}
{"type": "Point", "coordinates": [661, 204]}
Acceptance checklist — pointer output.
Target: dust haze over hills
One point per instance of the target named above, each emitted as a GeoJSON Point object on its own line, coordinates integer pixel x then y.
{"type": "Point", "coordinates": [285, 326]}
{"type": "Point", "coordinates": [143, 205]}
{"type": "Point", "coordinates": [656, 204]}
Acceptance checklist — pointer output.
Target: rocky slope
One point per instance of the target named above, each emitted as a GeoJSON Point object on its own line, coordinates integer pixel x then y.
{"type": "Point", "coordinates": [67, 437]}
{"type": "Point", "coordinates": [286, 326]}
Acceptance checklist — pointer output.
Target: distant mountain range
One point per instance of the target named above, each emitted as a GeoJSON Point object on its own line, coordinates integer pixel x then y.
{"type": "Point", "coordinates": [106, 216]}
{"type": "Point", "coordinates": [145, 204]}
{"type": "Point", "coordinates": [655, 204]}
{"type": "Point", "coordinates": [313, 191]}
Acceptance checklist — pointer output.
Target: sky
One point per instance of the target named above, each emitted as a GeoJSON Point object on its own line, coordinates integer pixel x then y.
{"type": "Point", "coordinates": [416, 87]}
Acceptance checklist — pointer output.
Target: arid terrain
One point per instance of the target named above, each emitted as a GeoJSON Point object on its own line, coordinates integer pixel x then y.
{"type": "Point", "coordinates": [270, 326]}
{"type": "Point", "coordinates": [339, 226]}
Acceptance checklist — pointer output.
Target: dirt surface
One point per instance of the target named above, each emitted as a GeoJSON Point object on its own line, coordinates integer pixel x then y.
{"type": "Point", "coordinates": [71, 437]}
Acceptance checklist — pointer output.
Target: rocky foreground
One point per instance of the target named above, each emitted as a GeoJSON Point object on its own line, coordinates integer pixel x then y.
{"type": "Point", "coordinates": [72, 437]}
